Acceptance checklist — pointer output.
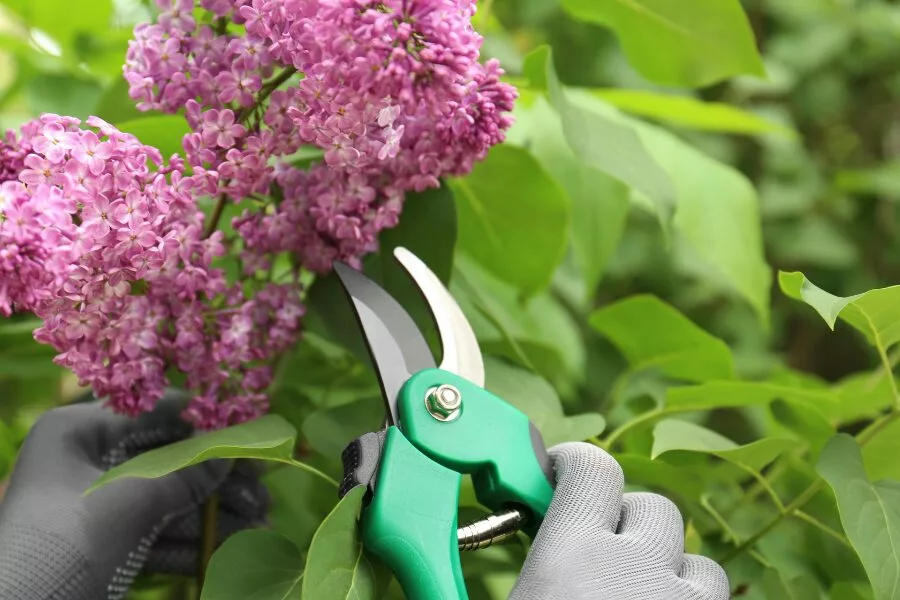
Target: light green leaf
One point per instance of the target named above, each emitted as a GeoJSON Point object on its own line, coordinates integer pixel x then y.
{"type": "Point", "coordinates": [717, 215]}
{"type": "Point", "coordinates": [19, 327]}
{"type": "Point", "coordinates": [693, 541]}
{"type": "Point", "coordinates": [267, 438]}
{"type": "Point", "coordinates": [875, 313]}
{"type": "Point", "coordinates": [642, 470]}
{"type": "Point", "coordinates": [337, 567]}
{"type": "Point", "coordinates": [674, 43]}
{"type": "Point", "coordinates": [883, 180]}
{"type": "Point", "coordinates": [798, 588]}
{"type": "Point", "coordinates": [690, 112]}
{"type": "Point", "coordinates": [851, 590]}
{"type": "Point", "coordinates": [63, 94]}
{"type": "Point", "coordinates": [164, 132]}
{"type": "Point", "coordinates": [600, 203]}
{"type": "Point", "coordinates": [652, 334]}
{"type": "Point", "coordinates": [254, 565]}
{"type": "Point", "coordinates": [880, 454]}
{"type": "Point", "coordinates": [603, 143]}
{"type": "Point", "coordinates": [870, 513]}
{"type": "Point", "coordinates": [673, 434]}
{"type": "Point", "coordinates": [513, 218]}
{"type": "Point", "coordinates": [725, 394]}
{"type": "Point", "coordinates": [58, 19]}
{"type": "Point", "coordinates": [533, 396]}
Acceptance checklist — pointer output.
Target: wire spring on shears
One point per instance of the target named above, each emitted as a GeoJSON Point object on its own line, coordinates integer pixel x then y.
{"type": "Point", "coordinates": [491, 530]}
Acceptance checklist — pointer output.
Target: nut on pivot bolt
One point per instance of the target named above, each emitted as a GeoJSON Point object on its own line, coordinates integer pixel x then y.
{"type": "Point", "coordinates": [444, 403]}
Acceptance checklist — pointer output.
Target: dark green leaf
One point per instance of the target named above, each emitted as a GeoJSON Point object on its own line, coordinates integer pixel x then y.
{"type": "Point", "coordinates": [652, 334]}
{"type": "Point", "coordinates": [337, 567]}
{"type": "Point", "coordinates": [693, 44]}
{"type": "Point", "coordinates": [513, 218]}
{"type": "Point", "coordinates": [254, 565]}
{"type": "Point", "coordinates": [164, 132]}
{"type": "Point", "coordinates": [870, 513]}
{"type": "Point", "coordinates": [268, 438]}
{"type": "Point", "coordinates": [329, 430]}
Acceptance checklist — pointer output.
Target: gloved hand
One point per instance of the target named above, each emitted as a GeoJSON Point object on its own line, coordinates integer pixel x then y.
{"type": "Point", "coordinates": [56, 544]}
{"type": "Point", "coordinates": [596, 544]}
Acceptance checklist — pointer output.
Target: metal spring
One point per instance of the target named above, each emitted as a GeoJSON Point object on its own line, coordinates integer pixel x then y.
{"type": "Point", "coordinates": [492, 529]}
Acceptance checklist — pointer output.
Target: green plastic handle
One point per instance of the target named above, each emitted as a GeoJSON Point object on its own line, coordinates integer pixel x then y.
{"type": "Point", "coordinates": [491, 440]}
{"type": "Point", "coordinates": [411, 521]}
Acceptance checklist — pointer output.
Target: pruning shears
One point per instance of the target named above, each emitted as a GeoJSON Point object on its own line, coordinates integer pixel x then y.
{"type": "Point", "coordinates": [440, 424]}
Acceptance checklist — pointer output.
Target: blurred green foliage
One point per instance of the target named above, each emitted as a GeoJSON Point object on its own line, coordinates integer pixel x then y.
{"type": "Point", "coordinates": [622, 246]}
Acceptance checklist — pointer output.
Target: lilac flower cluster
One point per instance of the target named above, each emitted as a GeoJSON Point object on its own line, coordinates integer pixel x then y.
{"type": "Point", "coordinates": [103, 241]}
{"type": "Point", "coordinates": [392, 92]}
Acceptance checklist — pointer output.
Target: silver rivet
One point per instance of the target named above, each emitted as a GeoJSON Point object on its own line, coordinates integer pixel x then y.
{"type": "Point", "coordinates": [444, 403]}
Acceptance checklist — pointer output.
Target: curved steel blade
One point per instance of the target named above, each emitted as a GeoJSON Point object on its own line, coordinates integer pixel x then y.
{"type": "Point", "coordinates": [462, 354]}
{"type": "Point", "coordinates": [395, 343]}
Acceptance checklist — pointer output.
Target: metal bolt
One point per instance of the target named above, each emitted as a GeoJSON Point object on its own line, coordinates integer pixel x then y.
{"type": "Point", "coordinates": [444, 403]}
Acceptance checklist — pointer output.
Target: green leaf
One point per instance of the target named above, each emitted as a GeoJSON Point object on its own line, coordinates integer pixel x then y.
{"type": "Point", "coordinates": [428, 229]}
{"type": "Point", "coordinates": [642, 470]}
{"type": "Point", "coordinates": [63, 94]}
{"type": "Point", "coordinates": [690, 112]}
{"type": "Point", "coordinates": [883, 180]}
{"type": "Point", "coordinates": [537, 333]}
{"type": "Point", "coordinates": [880, 454]}
{"type": "Point", "coordinates": [254, 565]}
{"type": "Point", "coordinates": [513, 218]}
{"type": "Point", "coordinates": [652, 334]}
{"type": "Point", "coordinates": [164, 132]}
{"type": "Point", "coordinates": [875, 313]}
{"type": "Point", "coordinates": [8, 450]}
{"type": "Point", "coordinates": [717, 214]}
{"type": "Point", "coordinates": [62, 21]}
{"type": "Point", "coordinates": [673, 434]}
{"type": "Point", "coordinates": [537, 399]}
{"type": "Point", "coordinates": [329, 430]}
{"type": "Point", "coordinates": [870, 513]}
{"type": "Point", "coordinates": [299, 503]}
{"type": "Point", "coordinates": [603, 143]}
{"type": "Point", "coordinates": [337, 567]}
{"type": "Point", "coordinates": [798, 588]}
{"type": "Point", "coordinates": [600, 203]}
{"type": "Point", "coordinates": [726, 394]}
{"type": "Point", "coordinates": [267, 438]}
{"type": "Point", "coordinates": [679, 44]}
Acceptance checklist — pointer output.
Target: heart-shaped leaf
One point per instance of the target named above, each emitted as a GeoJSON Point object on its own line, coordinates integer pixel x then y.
{"type": "Point", "coordinates": [254, 565]}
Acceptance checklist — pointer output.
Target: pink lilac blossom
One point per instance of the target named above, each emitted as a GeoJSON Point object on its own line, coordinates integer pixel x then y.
{"type": "Point", "coordinates": [12, 157]}
{"type": "Point", "coordinates": [102, 240]}
{"type": "Point", "coordinates": [392, 92]}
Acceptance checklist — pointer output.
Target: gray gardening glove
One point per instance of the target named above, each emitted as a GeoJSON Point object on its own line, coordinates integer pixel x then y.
{"type": "Point", "coordinates": [596, 544]}
{"type": "Point", "coordinates": [57, 544]}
